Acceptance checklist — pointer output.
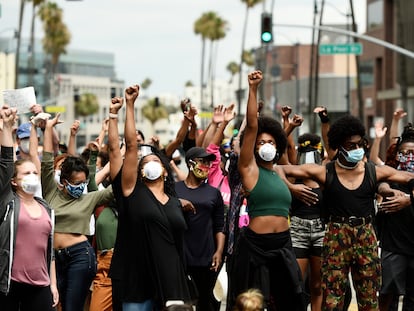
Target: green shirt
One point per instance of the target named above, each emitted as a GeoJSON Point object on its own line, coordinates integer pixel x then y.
{"type": "Point", "coordinates": [270, 196]}
{"type": "Point", "coordinates": [72, 215]}
{"type": "Point", "coordinates": [105, 232]}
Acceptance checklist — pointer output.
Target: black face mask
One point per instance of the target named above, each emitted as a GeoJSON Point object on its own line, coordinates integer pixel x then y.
{"type": "Point", "coordinates": [177, 162]}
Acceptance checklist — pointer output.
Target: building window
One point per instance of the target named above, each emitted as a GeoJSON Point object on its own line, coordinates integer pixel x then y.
{"type": "Point", "coordinates": [375, 14]}
{"type": "Point", "coordinates": [367, 72]}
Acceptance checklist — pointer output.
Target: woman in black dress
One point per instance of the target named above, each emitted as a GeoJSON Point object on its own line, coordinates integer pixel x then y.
{"type": "Point", "coordinates": [147, 263]}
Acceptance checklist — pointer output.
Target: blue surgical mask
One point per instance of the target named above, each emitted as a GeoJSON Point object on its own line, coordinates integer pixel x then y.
{"type": "Point", "coordinates": [75, 190]}
{"type": "Point", "coordinates": [353, 156]}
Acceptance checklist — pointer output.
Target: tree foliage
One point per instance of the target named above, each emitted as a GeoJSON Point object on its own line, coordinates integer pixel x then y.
{"type": "Point", "coordinates": [153, 111]}
{"type": "Point", "coordinates": [57, 35]}
{"type": "Point", "coordinates": [146, 83]}
{"type": "Point", "coordinates": [86, 105]}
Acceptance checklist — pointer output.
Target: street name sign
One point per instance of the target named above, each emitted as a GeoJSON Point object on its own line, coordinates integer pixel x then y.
{"type": "Point", "coordinates": [345, 48]}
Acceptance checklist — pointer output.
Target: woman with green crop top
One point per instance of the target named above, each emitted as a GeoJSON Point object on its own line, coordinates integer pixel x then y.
{"type": "Point", "coordinates": [264, 249]}
{"type": "Point", "coordinates": [75, 257]}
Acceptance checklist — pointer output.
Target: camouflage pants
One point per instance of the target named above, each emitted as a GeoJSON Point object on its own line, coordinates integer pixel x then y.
{"type": "Point", "coordinates": [354, 249]}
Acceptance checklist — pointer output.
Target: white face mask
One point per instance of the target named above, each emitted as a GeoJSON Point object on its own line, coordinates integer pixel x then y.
{"type": "Point", "coordinates": [267, 152]}
{"type": "Point", "coordinates": [57, 177]}
{"type": "Point", "coordinates": [30, 183]}
{"type": "Point", "coordinates": [152, 170]}
{"type": "Point", "coordinates": [24, 145]}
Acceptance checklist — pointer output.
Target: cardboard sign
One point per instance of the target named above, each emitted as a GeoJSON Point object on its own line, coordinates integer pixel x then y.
{"type": "Point", "coordinates": [21, 99]}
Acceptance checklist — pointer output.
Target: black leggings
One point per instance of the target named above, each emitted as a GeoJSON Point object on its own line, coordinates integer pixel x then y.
{"type": "Point", "coordinates": [25, 297]}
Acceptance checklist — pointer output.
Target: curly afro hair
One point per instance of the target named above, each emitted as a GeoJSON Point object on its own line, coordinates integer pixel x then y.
{"type": "Point", "coordinates": [407, 134]}
{"type": "Point", "coordinates": [344, 128]}
{"type": "Point", "coordinates": [274, 128]}
{"type": "Point", "coordinates": [308, 142]}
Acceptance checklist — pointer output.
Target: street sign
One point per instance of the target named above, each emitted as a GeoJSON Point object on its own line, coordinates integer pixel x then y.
{"type": "Point", "coordinates": [55, 109]}
{"type": "Point", "coordinates": [345, 48]}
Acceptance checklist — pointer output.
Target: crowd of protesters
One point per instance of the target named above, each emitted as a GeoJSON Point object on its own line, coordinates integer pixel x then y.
{"type": "Point", "coordinates": [124, 226]}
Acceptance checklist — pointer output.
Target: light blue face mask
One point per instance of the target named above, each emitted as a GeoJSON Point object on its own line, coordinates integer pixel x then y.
{"type": "Point", "coordinates": [75, 191]}
{"type": "Point", "coordinates": [353, 156]}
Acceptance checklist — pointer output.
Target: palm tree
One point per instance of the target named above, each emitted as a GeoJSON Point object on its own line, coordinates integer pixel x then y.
{"type": "Point", "coordinates": [248, 58]}
{"type": "Point", "coordinates": [249, 4]}
{"type": "Point", "coordinates": [233, 68]}
{"type": "Point", "coordinates": [201, 27]}
{"type": "Point", "coordinates": [153, 111]}
{"type": "Point", "coordinates": [86, 105]}
{"type": "Point", "coordinates": [57, 35]}
{"type": "Point", "coordinates": [216, 32]}
{"type": "Point", "coordinates": [146, 83]}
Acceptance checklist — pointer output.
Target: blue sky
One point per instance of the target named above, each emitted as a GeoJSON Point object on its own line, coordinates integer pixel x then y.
{"type": "Point", "coordinates": [155, 38]}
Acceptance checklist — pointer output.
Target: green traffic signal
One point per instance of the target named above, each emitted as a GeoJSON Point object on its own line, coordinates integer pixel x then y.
{"type": "Point", "coordinates": [266, 30]}
{"type": "Point", "coordinates": [266, 37]}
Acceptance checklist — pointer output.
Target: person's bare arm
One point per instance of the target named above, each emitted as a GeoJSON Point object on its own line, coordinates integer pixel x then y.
{"type": "Point", "coordinates": [247, 165]}
{"type": "Point", "coordinates": [216, 123]}
{"type": "Point", "coordinates": [375, 147]}
{"type": "Point", "coordinates": [129, 173]}
{"type": "Point", "coordinates": [104, 130]}
{"type": "Point", "coordinates": [48, 134]}
{"type": "Point", "coordinates": [291, 152]}
{"type": "Point", "coordinates": [323, 115]}
{"type": "Point", "coordinates": [179, 138]}
{"type": "Point", "coordinates": [181, 175]}
{"type": "Point", "coordinates": [115, 154]}
{"type": "Point", "coordinates": [398, 114]}
{"type": "Point", "coordinates": [74, 129]}
{"type": "Point", "coordinates": [33, 147]}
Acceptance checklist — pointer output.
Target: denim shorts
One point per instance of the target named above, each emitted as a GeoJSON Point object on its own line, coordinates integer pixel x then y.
{"type": "Point", "coordinates": [307, 236]}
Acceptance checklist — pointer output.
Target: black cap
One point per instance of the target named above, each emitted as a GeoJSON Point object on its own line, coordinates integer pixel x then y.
{"type": "Point", "coordinates": [198, 152]}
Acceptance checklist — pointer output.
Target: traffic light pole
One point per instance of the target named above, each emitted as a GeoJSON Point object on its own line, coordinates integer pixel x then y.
{"type": "Point", "coordinates": [383, 43]}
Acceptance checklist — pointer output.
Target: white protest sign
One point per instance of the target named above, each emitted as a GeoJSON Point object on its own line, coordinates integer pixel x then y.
{"type": "Point", "coordinates": [21, 99]}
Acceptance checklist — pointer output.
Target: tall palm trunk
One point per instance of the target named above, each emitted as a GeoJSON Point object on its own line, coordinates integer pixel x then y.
{"type": "Point", "coordinates": [210, 73]}
{"type": "Point", "coordinates": [31, 58]}
{"type": "Point", "coordinates": [239, 91]}
{"type": "Point", "coordinates": [213, 73]}
{"type": "Point", "coordinates": [203, 52]}
{"type": "Point", "coordinates": [19, 37]}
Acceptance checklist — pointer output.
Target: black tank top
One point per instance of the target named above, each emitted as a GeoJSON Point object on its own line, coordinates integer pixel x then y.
{"type": "Point", "coordinates": [344, 202]}
{"type": "Point", "coordinates": [302, 210]}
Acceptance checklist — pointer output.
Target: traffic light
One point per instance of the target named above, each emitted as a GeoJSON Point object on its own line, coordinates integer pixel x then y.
{"type": "Point", "coordinates": [267, 25]}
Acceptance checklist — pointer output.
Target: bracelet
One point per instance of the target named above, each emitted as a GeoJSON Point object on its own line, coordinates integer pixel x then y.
{"type": "Point", "coordinates": [113, 115]}
{"type": "Point", "coordinates": [324, 117]}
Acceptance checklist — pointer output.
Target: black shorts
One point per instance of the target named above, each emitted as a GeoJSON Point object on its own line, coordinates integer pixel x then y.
{"type": "Point", "coordinates": [397, 273]}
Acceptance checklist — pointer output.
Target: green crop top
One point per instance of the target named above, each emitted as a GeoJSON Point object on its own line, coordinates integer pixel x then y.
{"type": "Point", "coordinates": [270, 196]}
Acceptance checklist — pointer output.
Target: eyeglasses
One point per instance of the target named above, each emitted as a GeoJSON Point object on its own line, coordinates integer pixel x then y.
{"type": "Point", "coordinates": [351, 145]}
{"type": "Point", "coordinates": [406, 152]}
{"type": "Point", "coordinates": [78, 183]}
